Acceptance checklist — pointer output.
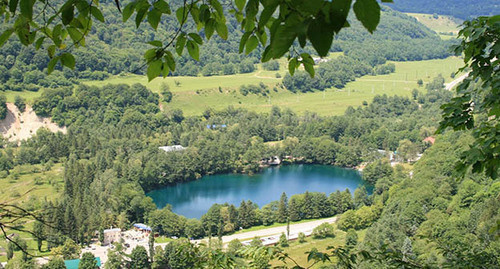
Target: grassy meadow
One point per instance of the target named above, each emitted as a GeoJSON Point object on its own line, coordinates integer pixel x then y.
{"type": "Point", "coordinates": [196, 94]}
{"type": "Point", "coordinates": [27, 185]}
{"type": "Point", "coordinates": [297, 251]}
{"type": "Point", "coordinates": [26, 181]}
{"type": "Point", "coordinates": [441, 25]}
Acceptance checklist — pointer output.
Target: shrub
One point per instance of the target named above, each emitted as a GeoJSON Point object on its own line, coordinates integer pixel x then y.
{"type": "Point", "coordinates": [323, 231]}
{"type": "Point", "coordinates": [283, 240]}
{"type": "Point", "coordinates": [302, 238]}
{"type": "Point", "coordinates": [256, 242]}
{"type": "Point", "coordinates": [234, 245]}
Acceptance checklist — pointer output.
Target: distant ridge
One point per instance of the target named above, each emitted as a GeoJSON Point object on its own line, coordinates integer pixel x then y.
{"type": "Point", "coordinates": [462, 9]}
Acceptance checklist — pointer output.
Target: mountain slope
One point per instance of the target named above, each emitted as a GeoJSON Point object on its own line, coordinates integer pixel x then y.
{"type": "Point", "coordinates": [463, 9]}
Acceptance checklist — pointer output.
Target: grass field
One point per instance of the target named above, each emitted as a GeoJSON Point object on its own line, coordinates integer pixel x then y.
{"type": "Point", "coordinates": [28, 185]}
{"type": "Point", "coordinates": [29, 96]}
{"type": "Point", "coordinates": [26, 181]}
{"type": "Point", "coordinates": [297, 251]}
{"type": "Point", "coordinates": [195, 94]}
{"type": "Point", "coordinates": [442, 25]}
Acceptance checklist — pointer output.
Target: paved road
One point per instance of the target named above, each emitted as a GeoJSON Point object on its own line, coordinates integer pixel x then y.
{"type": "Point", "coordinates": [451, 85]}
{"type": "Point", "coordinates": [306, 227]}
{"type": "Point", "coordinates": [294, 228]}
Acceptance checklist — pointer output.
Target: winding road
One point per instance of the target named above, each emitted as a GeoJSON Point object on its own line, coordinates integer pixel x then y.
{"type": "Point", "coordinates": [451, 85]}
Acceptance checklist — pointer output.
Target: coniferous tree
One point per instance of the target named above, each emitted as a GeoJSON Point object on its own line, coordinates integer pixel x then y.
{"type": "Point", "coordinates": [283, 242]}
{"type": "Point", "coordinates": [293, 210]}
{"type": "Point", "coordinates": [351, 239]}
{"type": "Point", "coordinates": [307, 207]}
{"type": "Point", "coordinates": [361, 197]}
{"type": "Point", "coordinates": [283, 208]}
{"type": "Point", "coordinates": [151, 244]}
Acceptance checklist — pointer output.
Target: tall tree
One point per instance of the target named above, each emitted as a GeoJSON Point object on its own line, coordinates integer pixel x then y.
{"type": "Point", "coordinates": [283, 208]}
{"type": "Point", "coordinates": [88, 261]}
{"type": "Point", "coordinates": [139, 258]}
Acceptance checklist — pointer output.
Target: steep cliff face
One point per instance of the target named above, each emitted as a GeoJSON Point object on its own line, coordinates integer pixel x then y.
{"type": "Point", "coordinates": [19, 125]}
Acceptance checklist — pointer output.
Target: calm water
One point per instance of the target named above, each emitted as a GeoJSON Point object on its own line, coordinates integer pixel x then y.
{"type": "Point", "coordinates": [194, 198]}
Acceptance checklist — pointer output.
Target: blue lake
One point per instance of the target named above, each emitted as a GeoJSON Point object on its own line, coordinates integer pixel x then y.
{"type": "Point", "coordinates": [193, 199]}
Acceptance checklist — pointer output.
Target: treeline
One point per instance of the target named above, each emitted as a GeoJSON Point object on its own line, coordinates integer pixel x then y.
{"type": "Point", "coordinates": [399, 37]}
{"type": "Point", "coordinates": [224, 218]}
{"type": "Point", "coordinates": [462, 9]}
{"type": "Point", "coordinates": [116, 48]}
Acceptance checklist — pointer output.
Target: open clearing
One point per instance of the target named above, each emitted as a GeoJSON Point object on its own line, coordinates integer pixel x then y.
{"type": "Point", "coordinates": [196, 94]}
{"type": "Point", "coordinates": [446, 26]}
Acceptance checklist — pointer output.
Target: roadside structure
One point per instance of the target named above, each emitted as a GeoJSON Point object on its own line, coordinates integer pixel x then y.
{"type": "Point", "coordinates": [112, 235]}
{"type": "Point", "coordinates": [172, 148]}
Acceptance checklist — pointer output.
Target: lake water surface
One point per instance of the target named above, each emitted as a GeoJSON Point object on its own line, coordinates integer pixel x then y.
{"type": "Point", "coordinates": [193, 199]}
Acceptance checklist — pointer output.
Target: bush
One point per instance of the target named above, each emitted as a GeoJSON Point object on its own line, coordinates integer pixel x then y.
{"type": "Point", "coordinates": [20, 103]}
{"type": "Point", "coordinates": [283, 240]}
{"type": "Point", "coordinates": [271, 65]}
{"type": "Point", "coordinates": [323, 231]}
{"type": "Point", "coordinates": [234, 245]}
{"type": "Point", "coordinates": [256, 242]}
{"type": "Point", "coordinates": [302, 238]}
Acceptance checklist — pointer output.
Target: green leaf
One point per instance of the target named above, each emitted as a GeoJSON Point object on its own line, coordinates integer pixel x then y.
{"type": "Point", "coordinates": [180, 44]}
{"type": "Point", "coordinates": [243, 41]}
{"type": "Point", "coordinates": [155, 43]}
{"type": "Point", "coordinates": [292, 65]}
{"type": "Point", "coordinates": [218, 7]}
{"type": "Point", "coordinates": [320, 34]}
{"type": "Point", "coordinates": [169, 57]}
{"type": "Point", "coordinates": [97, 13]}
{"type": "Point", "coordinates": [150, 54]}
{"type": "Point", "coordinates": [26, 7]}
{"type": "Point", "coordinates": [181, 15]}
{"type": "Point", "coordinates": [68, 60]}
{"type": "Point", "coordinates": [339, 10]}
{"type": "Point", "coordinates": [221, 30]}
{"type": "Point", "coordinates": [281, 40]}
{"type": "Point", "coordinates": [154, 69]}
{"type": "Point", "coordinates": [51, 50]}
{"type": "Point", "coordinates": [251, 44]}
{"type": "Point", "coordinates": [165, 70]}
{"type": "Point", "coordinates": [193, 50]}
{"type": "Point", "coordinates": [13, 5]}
{"type": "Point", "coordinates": [210, 28]}
{"type": "Point", "coordinates": [266, 55]}
{"type": "Point", "coordinates": [154, 17]}
{"type": "Point", "coordinates": [141, 14]}
{"type": "Point", "coordinates": [128, 11]}
{"type": "Point", "coordinates": [39, 42]}
{"type": "Point", "coordinates": [267, 13]}
{"type": "Point", "coordinates": [5, 36]}
{"type": "Point", "coordinates": [368, 13]}
{"type": "Point", "coordinates": [52, 64]}
{"type": "Point", "coordinates": [162, 6]}
{"type": "Point", "coordinates": [75, 35]}
{"type": "Point", "coordinates": [68, 14]}
{"type": "Point", "coordinates": [196, 38]}
{"type": "Point", "coordinates": [240, 4]}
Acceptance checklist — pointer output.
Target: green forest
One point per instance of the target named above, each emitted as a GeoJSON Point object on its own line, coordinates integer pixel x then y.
{"type": "Point", "coordinates": [429, 156]}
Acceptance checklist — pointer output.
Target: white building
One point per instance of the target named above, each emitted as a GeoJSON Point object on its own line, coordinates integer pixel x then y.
{"type": "Point", "coordinates": [112, 235]}
{"type": "Point", "coordinates": [172, 148]}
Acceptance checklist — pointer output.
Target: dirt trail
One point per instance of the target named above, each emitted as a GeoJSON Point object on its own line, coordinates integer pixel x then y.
{"type": "Point", "coordinates": [19, 126]}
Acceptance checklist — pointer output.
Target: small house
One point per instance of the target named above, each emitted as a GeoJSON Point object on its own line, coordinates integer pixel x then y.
{"type": "Point", "coordinates": [111, 236]}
